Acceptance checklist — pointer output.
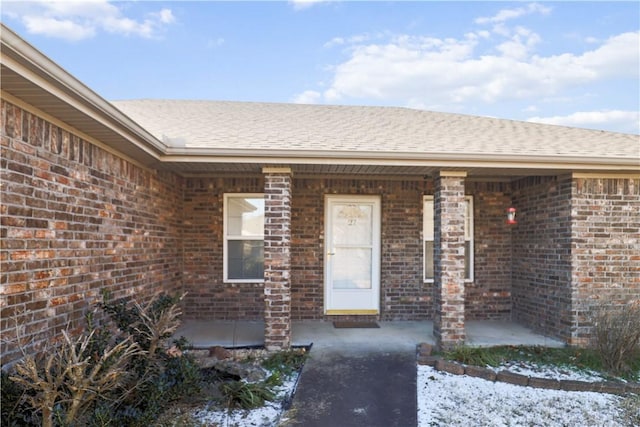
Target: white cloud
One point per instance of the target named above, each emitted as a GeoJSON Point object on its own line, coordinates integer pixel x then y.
{"type": "Point", "coordinates": [62, 28]}
{"type": "Point", "coordinates": [426, 70]}
{"type": "Point", "coordinates": [354, 40]}
{"type": "Point", "coordinates": [304, 4]}
{"type": "Point", "coordinates": [307, 97]}
{"type": "Point", "coordinates": [483, 66]}
{"type": "Point", "coordinates": [213, 43]}
{"type": "Point", "coordinates": [508, 14]}
{"type": "Point", "coordinates": [166, 16]}
{"type": "Point", "coordinates": [520, 43]}
{"type": "Point", "coordinates": [626, 121]}
{"type": "Point", "coordinates": [127, 26]}
{"type": "Point", "coordinates": [77, 20]}
{"type": "Point", "coordinates": [336, 41]}
{"type": "Point", "coordinates": [619, 55]}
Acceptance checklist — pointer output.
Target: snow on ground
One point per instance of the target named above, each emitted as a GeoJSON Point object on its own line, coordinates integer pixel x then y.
{"type": "Point", "coordinates": [452, 400]}
{"type": "Point", "coordinates": [267, 416]}
{"type": "Point", "coordinates": [458, 400]}
{"type": "Point", "coordinates": [549, 372]}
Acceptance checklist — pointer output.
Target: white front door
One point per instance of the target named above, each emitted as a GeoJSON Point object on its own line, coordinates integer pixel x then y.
{"type": "Point", "coordinates": [352, 255]}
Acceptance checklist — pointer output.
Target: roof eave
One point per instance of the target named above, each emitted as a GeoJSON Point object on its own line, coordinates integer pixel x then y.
{"type": "Point", "coordinates": [380, 158]}
{"type": "Point", "coordinates": [49, 87]}
{"type": "Point", "coordinates": [51, 80]}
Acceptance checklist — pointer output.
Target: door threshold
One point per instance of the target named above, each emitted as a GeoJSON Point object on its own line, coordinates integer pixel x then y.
{"type": "Point", "coordinates": [352, 312]}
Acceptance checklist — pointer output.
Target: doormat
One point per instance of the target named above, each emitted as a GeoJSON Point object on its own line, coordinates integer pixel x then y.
{"type": "Point", "coordinates": [363, 325]}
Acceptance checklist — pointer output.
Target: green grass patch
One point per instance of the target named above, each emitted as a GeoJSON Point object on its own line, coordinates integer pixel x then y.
{"type": "Point", "coordinates": [478, 356]}
{"type": "Point", "coordinates": [578, 359]}
{"type": "Point", "coordinates": [286, 362]}
{"type": "Point", "coordinates": [240, 394]}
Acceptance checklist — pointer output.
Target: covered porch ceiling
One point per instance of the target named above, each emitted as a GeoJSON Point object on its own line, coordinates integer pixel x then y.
{"type": "Point", "coordinates": [327, 169]}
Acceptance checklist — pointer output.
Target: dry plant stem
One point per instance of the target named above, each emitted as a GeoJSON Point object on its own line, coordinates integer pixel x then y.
{"type": "Point", "coordinates": [156, 327]}
{"type": "Point", "coordinates": [46, 387]}
{"type": "Point", "coordinates": [70, 376]}
{"type": "Point", "coordinates": [618, 335]}
{"type": "Point", "coordinates": [85, 386]}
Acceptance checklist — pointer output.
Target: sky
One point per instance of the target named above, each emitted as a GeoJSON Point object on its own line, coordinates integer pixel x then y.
{"type": "Point", "coordinates": [567, 63]}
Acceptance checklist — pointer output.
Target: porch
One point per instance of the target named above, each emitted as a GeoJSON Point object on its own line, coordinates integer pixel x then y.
{"type": "Point", "coordinates": [396, 335]}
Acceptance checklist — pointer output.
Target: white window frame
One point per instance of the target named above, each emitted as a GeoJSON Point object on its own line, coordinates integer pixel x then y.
{"type": "Point", "coordinates": [469, 236]}
{"type": "Point", "coordinates": [428, 232]}
{"type": "Point", "coordinates": [429, 235]}
{"type": "Point", "coordinates": [227, 237]}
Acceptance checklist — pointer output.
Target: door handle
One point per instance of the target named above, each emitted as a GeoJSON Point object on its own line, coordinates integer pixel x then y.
{"type": "Point", "coordinates": [331, 253]}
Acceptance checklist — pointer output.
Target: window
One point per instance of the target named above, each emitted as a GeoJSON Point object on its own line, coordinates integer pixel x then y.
{"type": "Point", "coordinates": [428, 229]}
{"type": "Point", "coordinates": [243, 237]}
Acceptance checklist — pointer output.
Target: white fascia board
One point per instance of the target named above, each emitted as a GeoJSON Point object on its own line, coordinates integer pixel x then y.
{"type": "Point", "coordinates": [31, 64]}
{"type": "Point", "coordinates": [401, 159]}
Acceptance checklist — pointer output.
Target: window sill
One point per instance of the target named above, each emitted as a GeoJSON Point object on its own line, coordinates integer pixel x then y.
{"type": "Point", "coordinates": [433, 281]}
{"type": "Point", "coordinates": [236, 281]}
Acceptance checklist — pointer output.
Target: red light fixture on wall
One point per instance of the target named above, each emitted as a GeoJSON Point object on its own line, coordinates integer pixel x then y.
{"type": "Point", "coordinates": [511, 216]}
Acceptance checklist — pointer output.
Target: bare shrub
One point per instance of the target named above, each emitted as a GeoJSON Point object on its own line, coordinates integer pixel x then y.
{"type": "Point", "coordinates": [155, 325]}
{"type": "Point", "coordinates": [631, 410]}
{"type": "Point", "coordinates": [149, 324]}
{"type": "Point", "coordinates": [617, 335]}
{"type": "Point", "coordinates": [122, 372]}
{"type": "Point", "coordinates": [70, 374]}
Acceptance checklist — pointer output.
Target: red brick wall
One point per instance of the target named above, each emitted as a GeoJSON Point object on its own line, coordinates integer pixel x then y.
{"type": "Point", "coordinates": [307, 249]}
{"type": "Point", "coordinates": [404, 295]}
{"type": "Point", "coordinates": [542, 254]}
{"type": "Point", "coordinates": [574, 248]}
{"type": "Point", "coordinates": [75, 220]}
{"type": "Point", "coordinates": [489, 295]}
{"type": "Point", "coordinates": [208, 296]}
{"type": "Point", "coordinates": [605, 247]}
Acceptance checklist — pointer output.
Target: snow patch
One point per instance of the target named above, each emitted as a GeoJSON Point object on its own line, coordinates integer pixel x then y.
{"type": "Point", "coordinates": [266, 416]}
{"type": "Point", "coordinates": [458, 400]}
{"type": "Point", "coordinates": [550, 372]}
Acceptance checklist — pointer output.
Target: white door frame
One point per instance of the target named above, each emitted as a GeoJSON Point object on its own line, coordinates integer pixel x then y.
{"type": "Point", "coordinates": [352, 301]}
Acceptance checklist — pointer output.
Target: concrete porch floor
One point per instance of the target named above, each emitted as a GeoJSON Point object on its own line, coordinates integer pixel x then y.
{"type": "Point", "coordinates": [392, 335]}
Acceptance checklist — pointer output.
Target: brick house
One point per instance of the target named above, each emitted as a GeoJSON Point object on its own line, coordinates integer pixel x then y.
{"type": "Point", "coordinates": [281, 212]}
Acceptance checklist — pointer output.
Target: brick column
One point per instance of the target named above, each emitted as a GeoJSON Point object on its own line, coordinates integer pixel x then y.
{"type": "Point", "coordinates": [277, 258]}
{"type": "Point", "coordinates": [449, 204]}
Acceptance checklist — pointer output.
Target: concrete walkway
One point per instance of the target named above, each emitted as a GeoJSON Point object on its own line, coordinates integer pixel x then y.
{"type": "Point", "coordinates": [353, 389]}
{"type": "Point", "coordinates": [356, 377]}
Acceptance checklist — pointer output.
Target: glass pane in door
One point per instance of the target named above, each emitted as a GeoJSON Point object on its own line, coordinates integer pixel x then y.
{"type": "Point", "coordinates": [352, 224]}
{"type": "Point", "coordinates": [352, 268]}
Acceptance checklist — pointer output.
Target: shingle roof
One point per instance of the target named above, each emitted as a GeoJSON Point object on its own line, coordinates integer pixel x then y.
{"type": "Point", "coordinates": [271, 126]}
